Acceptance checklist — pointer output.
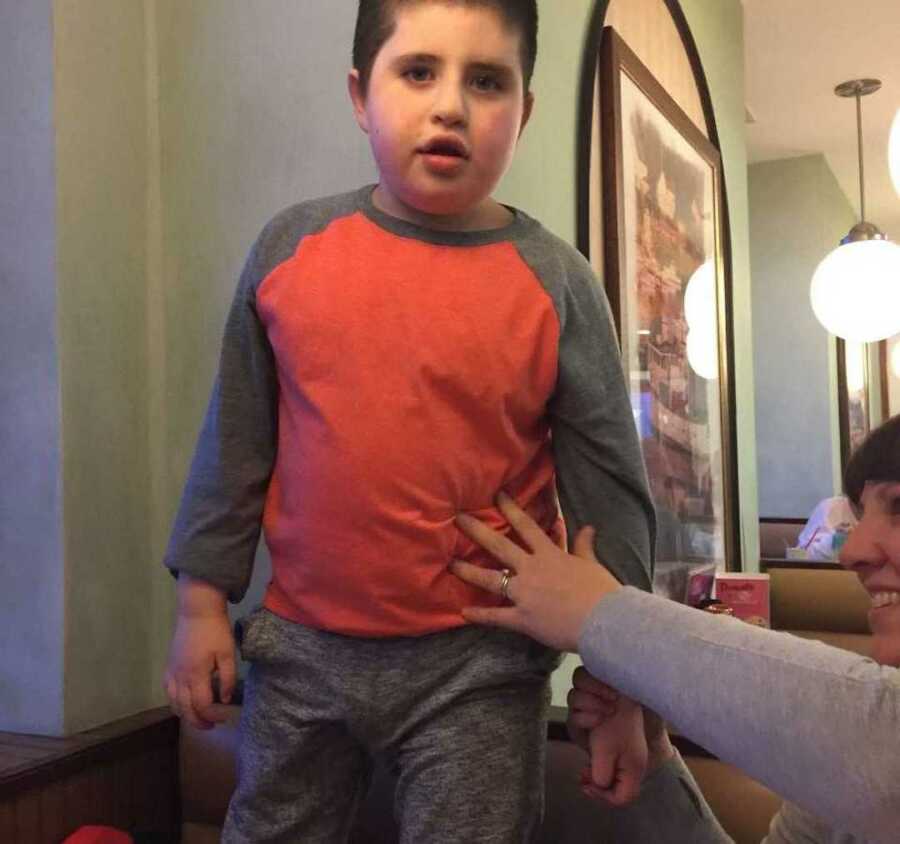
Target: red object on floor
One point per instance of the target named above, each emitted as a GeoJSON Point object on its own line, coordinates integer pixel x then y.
{"type": "Point", "coordinates": [99, 835]}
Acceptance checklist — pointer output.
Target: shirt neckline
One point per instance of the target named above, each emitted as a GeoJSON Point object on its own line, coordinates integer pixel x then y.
{"type": "Point", "coordinates": [403, 228]}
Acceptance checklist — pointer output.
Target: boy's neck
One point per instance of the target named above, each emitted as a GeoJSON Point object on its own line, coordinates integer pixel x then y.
{"type": "Point", "coordinates": [490, 214]}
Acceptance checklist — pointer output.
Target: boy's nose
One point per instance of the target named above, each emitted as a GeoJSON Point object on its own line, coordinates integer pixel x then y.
{"type": "Point", "coordinates": [449, 107]}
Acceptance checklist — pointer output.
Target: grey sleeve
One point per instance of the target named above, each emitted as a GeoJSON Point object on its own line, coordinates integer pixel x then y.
{"type": "Point", "coordinates": [600, 469]}
{"type": "Point", "coordinates": [670, 809]}
{"type": "Point", "coordinates": [792, 825]}
{"type": "Point", "coordinates": [218, 524]}
{"type": "Point", "coordinates": [816, 724]}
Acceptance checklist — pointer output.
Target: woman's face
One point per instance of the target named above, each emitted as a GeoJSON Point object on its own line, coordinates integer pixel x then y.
{"type": "Point", "coordinates": [872, 550]}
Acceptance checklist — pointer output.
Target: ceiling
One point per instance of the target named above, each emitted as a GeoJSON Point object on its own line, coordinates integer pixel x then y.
{"type": "Point", "coordinates": [796, 52]}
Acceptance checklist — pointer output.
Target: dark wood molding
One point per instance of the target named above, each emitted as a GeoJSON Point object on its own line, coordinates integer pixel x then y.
{"type": "Point", "coordinates": [884, 378]}
{"type": "Point", "coordinates": [63, 757]}
{"type": "Point", "coordinates": [588, 77]}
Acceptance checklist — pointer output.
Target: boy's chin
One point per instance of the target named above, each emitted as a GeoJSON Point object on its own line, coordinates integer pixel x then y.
{"type": "Point", "coordinates": [446, 206]}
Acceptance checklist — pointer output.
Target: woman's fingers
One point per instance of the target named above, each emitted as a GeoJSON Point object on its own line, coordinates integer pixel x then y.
{"type": "Point", "coordinates": [529, 531]}
{"type": "Point", "coordinates": [488, 579]}
{"type": "Point", "coordinates": [497, 545]}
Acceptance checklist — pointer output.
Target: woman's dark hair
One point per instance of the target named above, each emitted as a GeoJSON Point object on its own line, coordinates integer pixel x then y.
{"type": "Point", "coordinates": [375, 24]}
{"type": "Point", "coordinates": [877, 459]}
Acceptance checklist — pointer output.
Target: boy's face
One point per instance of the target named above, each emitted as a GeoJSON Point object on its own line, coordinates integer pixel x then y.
{"type": "Point", "coordinates": [443, 111]}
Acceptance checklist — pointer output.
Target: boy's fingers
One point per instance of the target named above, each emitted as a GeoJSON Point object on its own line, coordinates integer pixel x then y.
{"type": "Point", "coordinates": [171, 694]}
{"type": "Point", "coordinates": [586, 720]}
{"type": "Point", "coordinates": [580, 738]}
{"type": "Point", "coordinates": [496, 544]}
{"type": "Point", "coordinates": [581, 699]}
{"type": "Point", "coordinates": [528, 529]}
{"type": "Point", "coordinates": [626, 787]}
{"type": "Point", "coordinates": [227, 676]}
{"type": "Point", "coordinates": [186, 707]}
{"type": "Point", "coordinates": [602, 770]}
{"type": "Point", "coordinates": [201, 694]}
{"type": "Point", "coordinates": [586, 682]}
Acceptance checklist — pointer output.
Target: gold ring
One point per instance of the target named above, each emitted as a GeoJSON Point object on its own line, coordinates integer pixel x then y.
{"type": "Point", "coordinates": [504, 583]}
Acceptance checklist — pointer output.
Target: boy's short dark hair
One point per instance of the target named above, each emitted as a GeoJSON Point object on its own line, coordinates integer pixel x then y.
{"type": "Point", "coordinates": [375, 24]}
{"type": "Point", "coordinates": [877, 459]}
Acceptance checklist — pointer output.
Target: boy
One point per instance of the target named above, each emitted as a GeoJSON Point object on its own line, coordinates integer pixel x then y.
{"type": "Point", "coordinates": [393, 357]}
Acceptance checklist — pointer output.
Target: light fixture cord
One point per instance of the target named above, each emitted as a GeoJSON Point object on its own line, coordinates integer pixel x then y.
{"type": "Point", "coordinates": [862, 192]}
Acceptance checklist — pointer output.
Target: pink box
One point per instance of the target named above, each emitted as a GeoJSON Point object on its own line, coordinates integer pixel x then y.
{"type": "Point", "coordinates": [746, 594]}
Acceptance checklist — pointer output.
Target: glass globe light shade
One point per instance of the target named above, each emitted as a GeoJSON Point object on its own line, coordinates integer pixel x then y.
{"type": "Point", "coordinates": [703, 353]}
{"type": "Point", "coordinates": [700, 298]}
{"type": "Point", "coordinates": [894, 151]}
{"type": "Point", "coordinates": [895, 360]}
{"type": "Point", "coordinates": [855, 290]}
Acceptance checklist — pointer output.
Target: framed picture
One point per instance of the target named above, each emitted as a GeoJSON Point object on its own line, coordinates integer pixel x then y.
{"type": "Point", "coordinates": [853, 378]}
{"type": "Point", "coordinates": [889, 355]}
{"type": "Point", "coordinates": [669, 287]}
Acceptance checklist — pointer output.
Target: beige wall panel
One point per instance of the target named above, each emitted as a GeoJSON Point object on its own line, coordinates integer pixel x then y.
{"type": "Point", "coordinates": [648, 28]}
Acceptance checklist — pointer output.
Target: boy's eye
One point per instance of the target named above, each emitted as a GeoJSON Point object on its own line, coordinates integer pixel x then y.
{"type": "Point", "coordinates": [486, 82]}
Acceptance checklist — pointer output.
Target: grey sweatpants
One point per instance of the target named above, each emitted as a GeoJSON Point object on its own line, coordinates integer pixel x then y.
{"type": "Point", "coordinates": [459, 715]}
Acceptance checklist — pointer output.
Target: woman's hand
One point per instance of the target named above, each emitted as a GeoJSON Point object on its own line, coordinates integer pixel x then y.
{"type": "Point", "coordinates": [550, 591]}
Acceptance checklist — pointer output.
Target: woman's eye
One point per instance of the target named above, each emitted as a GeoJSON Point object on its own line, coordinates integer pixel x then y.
{"type": "Point", "coordinates": [418, 74]}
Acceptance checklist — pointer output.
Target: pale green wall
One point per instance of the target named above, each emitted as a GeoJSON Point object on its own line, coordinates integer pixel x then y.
{"type": "Point", "coordinates": [101, 163]}
{"type": "Point", "coordinates": [798, 214]}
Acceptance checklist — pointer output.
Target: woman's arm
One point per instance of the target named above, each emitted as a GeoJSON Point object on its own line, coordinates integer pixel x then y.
{"type": "Point", "coordinates": [818, 725]}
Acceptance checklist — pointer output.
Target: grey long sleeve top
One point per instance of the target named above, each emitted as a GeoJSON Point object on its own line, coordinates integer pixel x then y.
{"type": "Point", "coordinates": [818, 725]}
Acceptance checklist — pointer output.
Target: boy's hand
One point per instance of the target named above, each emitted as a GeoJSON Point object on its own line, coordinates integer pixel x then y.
{"type": "Point", "coordinates": [618, 752]}
{"type": "Point", "coordinates": [593, 708]}
{"type": "Point", "coordinates": [203, 644]}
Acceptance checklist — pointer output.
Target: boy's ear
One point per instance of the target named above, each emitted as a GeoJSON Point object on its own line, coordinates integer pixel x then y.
{"type": "Point", "coordinates": [354, 86]}
{"type": "Point", "coordinates": [526, 111]}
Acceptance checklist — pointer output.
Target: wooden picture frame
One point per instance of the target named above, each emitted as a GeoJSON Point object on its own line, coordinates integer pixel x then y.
{"type": "Point", "coordinates": [853, 382]}
{"type": "Point", "coordinates": [664, 231]}
{"type": "Point", "coordinates": [889, 359]}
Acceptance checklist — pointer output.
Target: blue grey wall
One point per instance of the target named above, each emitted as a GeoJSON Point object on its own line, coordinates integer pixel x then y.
{"type": "Point", "coordinates": [31, 565]}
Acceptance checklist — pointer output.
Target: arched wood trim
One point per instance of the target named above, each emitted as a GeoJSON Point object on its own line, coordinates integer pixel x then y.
{"type": "Point", "coordinates": [586, 93]}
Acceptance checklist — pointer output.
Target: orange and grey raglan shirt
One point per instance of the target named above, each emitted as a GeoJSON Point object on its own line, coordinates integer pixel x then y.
{"type": "Point", "coordinates": [378, 378]}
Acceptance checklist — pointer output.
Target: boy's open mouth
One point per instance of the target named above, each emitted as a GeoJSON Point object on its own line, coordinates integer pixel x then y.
{"type": "Point", "coordinates": [448, 147]}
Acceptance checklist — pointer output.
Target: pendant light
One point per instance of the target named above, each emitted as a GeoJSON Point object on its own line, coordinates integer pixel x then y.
{"type": "Point", "coordinates": [855, 291]}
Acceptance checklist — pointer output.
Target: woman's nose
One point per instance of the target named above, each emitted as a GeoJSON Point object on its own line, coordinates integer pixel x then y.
{"type": "Point", "coordinates": [863, 546]}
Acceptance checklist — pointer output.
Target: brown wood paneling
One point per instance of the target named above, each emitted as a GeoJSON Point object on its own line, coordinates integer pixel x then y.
{"type": "Point", "coordinates": [28, 819]}
{"type": "Point", "coordinates": [7, 821]}
{"type": "Point", "coordinates": [123, 775]}
{"type": "Point", "coordinates": [53, 813]}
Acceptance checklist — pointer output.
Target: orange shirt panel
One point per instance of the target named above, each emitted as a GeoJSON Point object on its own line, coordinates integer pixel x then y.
{"type": "Point", "coordinates": [413, 380]}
